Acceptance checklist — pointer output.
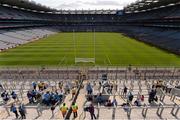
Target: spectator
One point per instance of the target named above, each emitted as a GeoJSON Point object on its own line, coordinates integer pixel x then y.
{"type": "Point", "coordinates": [33, 94]}
{"type": "Point", "coordinates": [60, 84]}
{"type": "Point", "coordinates": [14, 110]}
{"type": "Point", "coordinates": [22, 111]}
{"type": "Point", "coordinates": [1, 87]}
{"type": "Point", "coordinates": [89, 89]}
{"type": "Point", "coordinates": [52, 98]}
{"type": "Point", "coordinates": [30, 97]}
{"type": "Point", "coordinates": [74, 109]}
{"type": "Point", "coordinates": [91, 111]}
{"type": "Point", "coordinates": [46, 98]}
{"type": "Point", "coordinates": [126, 107]}
{"type": "Point", "coordinates": [130, 97]}
{"type": "Point", "coordinates": [125, 91]}
{"type": "Point", "coordinates": [108, 103]}
{"type": "Point", "coordinates": [137, 102]}
{"type": "Point", "coordinates": [34, 85]}
{"type": "Point", "coordinates": [5, 96]}
{"type": "Point", "coordinates": [14, 95]}
{"type": "Point", "coordinates": [152, 96]}
{"type": "Point", "coordinates": [64, 109]}
{"type": "Point", "coordinates": [52, 110]}
{"type": "Point", "coordinates": [142, 98]}
{"type": "Point", "coordinates": [73, 92]}
{"type": "Point", "coordinates": [100, 99]}
{"type": "Point", "coordinates": [114, 102]}
{"type": "Point", "coordinates": [67, 88]}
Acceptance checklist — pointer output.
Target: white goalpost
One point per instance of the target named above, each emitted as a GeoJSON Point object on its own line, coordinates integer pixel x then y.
{"type": "Point", "coordinates": [84, 59]}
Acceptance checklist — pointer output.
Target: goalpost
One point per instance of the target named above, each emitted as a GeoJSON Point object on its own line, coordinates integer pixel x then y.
{"type": "Point", "coordinates": [85, 59]}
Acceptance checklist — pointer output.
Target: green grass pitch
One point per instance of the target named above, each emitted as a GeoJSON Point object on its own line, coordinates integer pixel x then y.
{"type": "Point", "coordinates": [111, 49]}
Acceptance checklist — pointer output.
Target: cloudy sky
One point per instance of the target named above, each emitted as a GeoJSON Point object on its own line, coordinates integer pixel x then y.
{"type": "Point", "coordinates": [85, 4]}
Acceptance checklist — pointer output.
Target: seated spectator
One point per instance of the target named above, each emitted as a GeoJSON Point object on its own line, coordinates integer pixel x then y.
{"type": "Point", "coordinates": [137, 102]}
{"type": "Point", "coordinates": [42, 86]}
{"type": "Point", "coordinates": [108, 103]}
{"type": "Point", "coordinates": [126, 107]}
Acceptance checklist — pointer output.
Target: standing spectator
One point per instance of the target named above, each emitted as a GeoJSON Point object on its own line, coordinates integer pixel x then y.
{"type": "Point", "coordinates": [1, 87]}
{"type": "Point", "coordinates": [152, 96]}
{"type": "Point", "coordinates": [125, 91]}
{"type": "Point", "coordinates": [33, 94]}
{"type": "Point", "coordinates": [5, 96]}
{"type": "Point", "coordinates": [142, 98]}
{"type": "Point", "coordinates": [52, 110]}
{"type": "Point", "coordinates": [34, 85]}
{"type": "Point", "coordinates": [74, 109]}
{"type": "Point", "coordinates": [73, 92]}
{"type": "Point", "coordinates": [14, 110]}
{"type": "Point", "coordinates": [60, 84]}
{"type": "Point", "coordinates": [46, 98]}
{"type": "Point", "coordinates": [89, 89]}
{"type": "Point", "coordinates": [22, 111]}
{"type": "Point", "coordinates": [64, 109]}
{"type": "Point", "coordinates": [30, 98]}
{"type": "Point", "coordinates": [67, 88]}
{"type": "Point", "coordinates": [130, 97]}
{"type": "Point", "coordinates": [114, 102]}
{"type": "Point", "coordinates": [100, 98]}
{"type": "Point", "coordinates": [14, 96]}
{"type": "Point", "coordinates": [91, 111]}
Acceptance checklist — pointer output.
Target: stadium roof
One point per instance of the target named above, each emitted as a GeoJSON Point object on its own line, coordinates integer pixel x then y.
{"type": "Point", "coordinates": [34, 7]}
{"type": "Point", "coordinates": [87, 12]}
{"type": "Point", "coordinates": [144, 5]}
{"type": "Point", "coordinates": [26, 4]}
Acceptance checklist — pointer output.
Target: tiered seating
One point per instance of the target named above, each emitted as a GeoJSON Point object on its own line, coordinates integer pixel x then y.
{"type": "Point", "coordinates": [139, 81]}
{"type": "Point", "coordinates": [167, 39]}
{"type": "Point", "coordinates": [13, 38]}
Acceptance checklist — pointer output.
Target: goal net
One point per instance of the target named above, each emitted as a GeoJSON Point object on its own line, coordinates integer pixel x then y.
{"type": "Point", "coordinates": [84, 49]}
{"type": "Point", "coordinates": [84, 60]}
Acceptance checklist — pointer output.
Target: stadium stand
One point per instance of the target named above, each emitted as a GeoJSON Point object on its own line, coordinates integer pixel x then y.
{"type": "Point", "coordinates": [160, 97]}
{"type": "Point", "coordinates": [13, 38]}
{"type": "Point", "coordinates": [154, 22]}
{"type": "Point", "coordinates": [155, 90]}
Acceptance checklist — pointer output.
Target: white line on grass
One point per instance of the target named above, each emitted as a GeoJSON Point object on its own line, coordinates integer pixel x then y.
{"type": "Point", "coordinates": [108, 59]}
{"type": "Point", "coordinates": [62, 60]}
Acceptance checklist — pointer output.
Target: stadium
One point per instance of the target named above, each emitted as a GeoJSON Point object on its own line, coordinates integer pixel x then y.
{"type": "Point", "coordinates": [92, 63]}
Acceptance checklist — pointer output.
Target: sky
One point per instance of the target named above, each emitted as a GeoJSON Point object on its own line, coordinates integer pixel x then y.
{"type": "Point", "coordinates": [85, 4]}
